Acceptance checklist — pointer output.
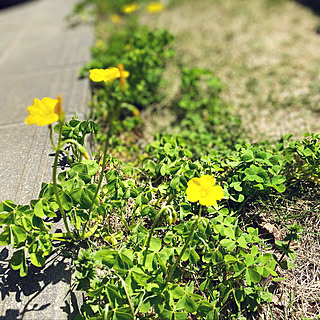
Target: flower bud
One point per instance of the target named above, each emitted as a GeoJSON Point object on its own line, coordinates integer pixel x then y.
{"type": "Point", "coordinates": [84, 152]}
{"type": "Point", "coordinates": [59, 110]}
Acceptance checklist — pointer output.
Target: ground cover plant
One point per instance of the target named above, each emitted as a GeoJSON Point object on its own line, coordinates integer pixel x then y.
{"type": "Point", "coordinates": [183, 227]}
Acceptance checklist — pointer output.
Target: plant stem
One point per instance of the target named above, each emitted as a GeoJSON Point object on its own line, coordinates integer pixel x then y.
{"type": "Point", "coordinates": [182, 251]}
{"type": "Point", "coordinates": [127, 294]}
{"type": "Point", "coordinates": [146, 248]}
{"type": "Point", "coordinates": [51, 138]}
{"type": "Point", "coordinates": [104, 163]}
{"type": "Point", "coordinates": [55, 187]}
{"type": "Point", "coordinates": [193, 228]}
{"type": "Point", "coordinates": [279, 262]}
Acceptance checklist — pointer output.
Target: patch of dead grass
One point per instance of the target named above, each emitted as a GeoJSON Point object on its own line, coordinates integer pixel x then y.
{"type": "Point", "coordinates": [267, 56]}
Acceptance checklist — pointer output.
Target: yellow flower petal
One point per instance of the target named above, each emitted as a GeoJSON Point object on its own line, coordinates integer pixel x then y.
{"type": "Point", "coordinates": [208, 202]}
{"type": "Point", "coordinates": [155, 7]}
{"type": "Point", "coordinates": [209, 196]}
{"type": "Point", "coordinates": [206, 180]}
{"type": "Point", "coordinates": [115, 18]}
{"type": "Point", "coordinates": [218, 192]}
{"type": "Point", "coordinates": [42, 112]}
{"type": "Point", "coordinates": [129, 8]}
{"type": "Point", "coordinates": [194, 182]}
{"type": "Point", "coordinates": [49, 104]}
{"type": "Point", "coordinates": [109, 75]}
{"type": "Point", "coordinates": [97, 75]}
{"type": "Point", "coordinates": [203, 190]}
{"type": "Point", "coordinates": [193, 193]}
{"type": "Point", "coordinates": [125, 74]}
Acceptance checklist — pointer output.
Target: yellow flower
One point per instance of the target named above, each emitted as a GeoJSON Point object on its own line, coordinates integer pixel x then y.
{"type": "Point", "coordinates": [136, 112]}
{"type": "Point", "coordinates": [155, 7]}
{"type": "Point", "coordinates": [107, 75]}
{"type": "Point", "coordinates": [129, 8]}
{"type": "Point", "coordinates": [45, 111]}
{"type": "Point", "coordinates": [115, 18]}
{"type": "Point", "coordinates": [59, 110]}
{"type": "Point", "coordinates": [100, 44]}
{"type": "Point", "coordinates": [203, 190]}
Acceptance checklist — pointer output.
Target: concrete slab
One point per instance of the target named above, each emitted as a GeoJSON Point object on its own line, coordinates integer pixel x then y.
{"type": "Point", "coordinates": [39, 57]}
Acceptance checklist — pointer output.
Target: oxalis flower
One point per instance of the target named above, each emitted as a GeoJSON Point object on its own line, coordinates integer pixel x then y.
{"type": "Point", "coordinates": [129, 8]}
{"type": "Point", "coordinates": [115, 18]}
{"type": "Point", "coordinates": [204, 190]}
{"type": "Point", "coordinates": [108, 75]}
{"type": "Point", "coordinates": [155, 7]}
{"type": "Point", "coordinates": [45, 112]}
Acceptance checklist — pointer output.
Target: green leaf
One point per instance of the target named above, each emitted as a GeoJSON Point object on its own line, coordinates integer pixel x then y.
{"type": "Point", "coordinates": [38, 209]}
{"type": "Point", "coordinates": [155, 244]}
{"type": "Point", "coordinates": [139, 276]}
{"type": "Point", "coordinates": [164, 170]}
{"type": "Point", "coordinates": [287, 265]}
{"type": "Point", "coordinates": [7, 206]}
{"type": "Point", "coordinates": [249, 259]}
{"type": "Point", "coordinates": [92, 166]}
{"type": "Point", "coordinates": [5, 237]}
{"type": "Point", "coordinates": [228, 244]}
{"type": "Point", "coordinates": [45, 244]}
{"type": "Point", "coordinates": [106, 256]}
{"type": "Point", "coordinates": [141, 199]}
{"type": "Point", "coordinates": [230, 259]}
{"type": "Point", "coordinates": [37, 259]}
{"type": "Point", "coordinates": [280, 188]}
{"type": "Point", "coordinates": [247, 155]}
{"type": "Point", "coordinates": [113, 293]}
{"type": "Point", "coordinates": [278, 179]}
{"type": "Point", "coordinates": [177, 292]}
{"type": "Point", "coordinates": [237, 197]}
{"type": "Point", "coordinates": [7, 218]}
{"type": "Point", "coordinates": [165, 314]}
{"type": "Point", "coordinates": [66, 200]}
{"type": "Point", "coordinates": [242, 242]}
{"type": "Point", "coordinates": [252, 275]}
{"type": "Point", "coordinates": [229, 232]}
{"type": "Point", "coordinates": [187, 304]}
{"type": "Point", "coordinates": [145, 307]}
{"type": "Point", "coordinates": [119, 315]}
{"type": "Point", "coordinates": [84, 195]}
{"type": "Point", "coordinates": [194, 257]}
{"type": "Point", "coordinates": [180, 316]}
{"type": "Point", "coordinates": [254, 250]}
{"type": "Point", "coordinates": [307, 152]}
{"type": "Point", "coordinates": [162, 264]}
{"type": "Point", "coordinates": [175, 182]}
{"type": "Point", "coordinates": [18, 262]}
{"type": "Point", "coordinates": [185, 255]}
{"type": "Point", "coordinates": [19, 235]}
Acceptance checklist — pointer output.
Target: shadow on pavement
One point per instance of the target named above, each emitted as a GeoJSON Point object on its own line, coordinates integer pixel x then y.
{"type": "Point", "coordinates": [9, 3]}
{"type": "Point", "coordinates": [31, 286]}
{"type": "Point", "coordinates": [314, 5]}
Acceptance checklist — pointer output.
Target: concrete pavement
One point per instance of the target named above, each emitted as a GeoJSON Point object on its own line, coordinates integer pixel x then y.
{"type": "Point", "coordinates": [39, 56]}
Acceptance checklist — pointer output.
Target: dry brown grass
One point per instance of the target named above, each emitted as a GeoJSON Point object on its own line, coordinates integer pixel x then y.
{"type": "Point", "coordinates": [298, 295]}
{"type": "Point", "coordinates": [267, 57]}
